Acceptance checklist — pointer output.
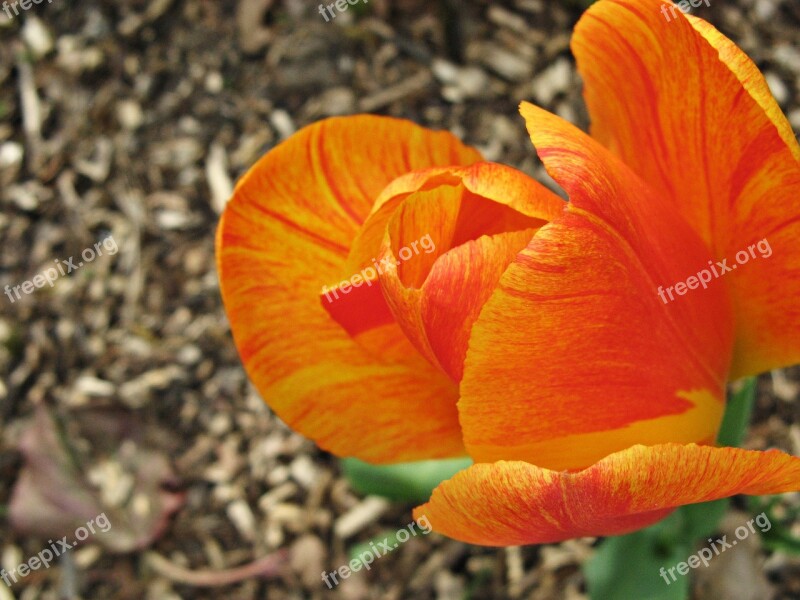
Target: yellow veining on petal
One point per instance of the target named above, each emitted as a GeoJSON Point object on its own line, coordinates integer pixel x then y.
{"type": "Point", "coordinates": [573, 452]}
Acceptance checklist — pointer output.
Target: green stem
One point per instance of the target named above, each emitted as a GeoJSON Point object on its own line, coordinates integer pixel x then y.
{"type": "Point", "coordinates": [738, 413]}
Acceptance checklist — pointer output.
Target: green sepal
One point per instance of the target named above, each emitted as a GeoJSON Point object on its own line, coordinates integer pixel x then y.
{"type": "Point", "coordinates": [403, 482]}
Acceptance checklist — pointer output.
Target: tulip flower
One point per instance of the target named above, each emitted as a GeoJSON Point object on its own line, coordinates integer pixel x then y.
{"type": "Point", "coordinates": [533, 338]}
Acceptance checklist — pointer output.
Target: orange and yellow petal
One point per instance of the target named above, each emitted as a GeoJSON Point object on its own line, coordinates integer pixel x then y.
{"type": "Point", "coordinates": [436, 306]}
{"type": "Point", "coordinates": [516, 503]}
{"type": "Point", "coordinates": [498, 183]}
{"type": "Point", "coordinates": [708, 131]}
{"type": "Point", "coordinates": [576, 355]}
{"type": "Point", "coordinates": [284, 235]}
{"type": "Point", "coordinates": [450, 247]}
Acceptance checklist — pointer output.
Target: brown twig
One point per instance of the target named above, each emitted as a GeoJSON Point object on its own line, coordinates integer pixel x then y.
{"type": "Point", "coordinates": [266, 567]}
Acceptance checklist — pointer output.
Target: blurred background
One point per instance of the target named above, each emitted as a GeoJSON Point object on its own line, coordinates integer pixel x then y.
{"type": "Point", "coordinates": [123, 127]}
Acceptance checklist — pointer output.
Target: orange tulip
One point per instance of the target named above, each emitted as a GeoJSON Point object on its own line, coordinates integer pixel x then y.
{"type": "Point", "coordinates": [532, 337]}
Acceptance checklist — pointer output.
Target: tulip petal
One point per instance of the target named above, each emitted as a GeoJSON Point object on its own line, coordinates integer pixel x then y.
{"type": "Point", "coordinates": [575, 348]}
{"type": "Point", "coordinates": [691, 114]}
{"type": "Point", "coordinates": [516, 503]}
{"type": "Point", "coordinates": [285, 233]}
{"type": "Point", "coordinates": [358, 308]}
{"type": "Point", "coordinates": [492, 181]}
{"type": "Point", "coordinates": [437, 305]}
{"type": "Point", "coordinates": [436, 296]}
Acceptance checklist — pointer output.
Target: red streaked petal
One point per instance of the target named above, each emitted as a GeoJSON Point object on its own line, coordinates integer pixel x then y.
{"type": "Point", "coordinates": [438, 317]}
{"type": "Point", "coordinates": [709, 132]}
{"type": "Point", "coordinates": [437, 295]}
{"type": "Point", "coordinates": [498, 183]}
{"type": "Point", "coordinates": [516, 503]}
{"type": "Point", "coordinates": [357, 305]}
{"type": "Point", "coordinates": [765, 293]}
{"type": "Point", "coordinates": [575, 344]}
{"type": "Point", "coordinates": [286, 233]}
{"type": "Point", "coordinates": [750, 77]}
